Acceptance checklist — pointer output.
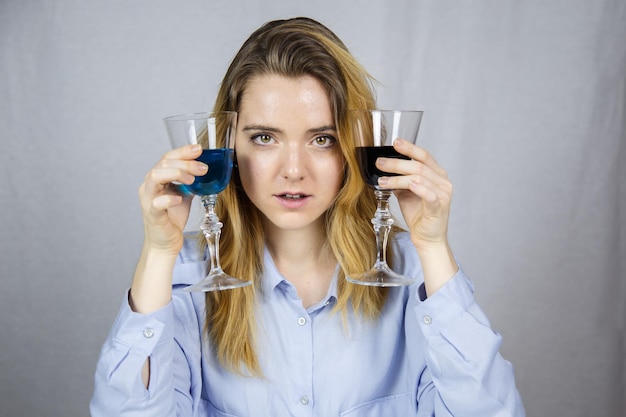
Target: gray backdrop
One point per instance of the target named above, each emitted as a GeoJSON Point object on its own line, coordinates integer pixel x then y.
{"type": "Point", "coordinates": [524, 105]}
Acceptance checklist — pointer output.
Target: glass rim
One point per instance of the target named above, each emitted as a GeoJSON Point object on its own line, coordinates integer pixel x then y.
{"type": "Point", "coordinates": [198, 115]}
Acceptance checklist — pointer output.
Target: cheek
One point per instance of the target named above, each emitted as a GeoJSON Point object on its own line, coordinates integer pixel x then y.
{"type": "Point", "coordinates": [251, 172]}
{"type": "Point", "coordinates": [333, 173]}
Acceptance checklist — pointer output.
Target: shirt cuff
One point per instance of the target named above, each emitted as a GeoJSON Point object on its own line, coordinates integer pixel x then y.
{"type": "Point", "coordinates": [143, 332]}
{"type": "Point", "coordinates": [444, 306]}
{"type": "Point", "coordinates": [135, 337]}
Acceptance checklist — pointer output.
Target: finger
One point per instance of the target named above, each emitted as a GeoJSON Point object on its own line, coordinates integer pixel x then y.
{"type": "Point", "coordinates": [418, 154]}
{"type": "Point", "coordinates": [404, 167]}
{"type": "Point", "coordinates": [157, 192]}
{"type": "Point", "coordinates": [170, 171]}
{"type": "Point", "coordinates": [164, 202]}
{"type": "Point", "coordinates": [184, 152]}
{"type": "Point", "coordinates": [412, 171]}
{"type": "Point", "coordinates": [430, 195]}
{"type": "Point", "coordinates": [420, 186]}
{"type": "Point", "coordinates": [147, 195]}
{"type": "Point", "coordinates": [158, 180]}
{"type": "Point", "coordinates": [193, 167]}
{"type": "Point", "coordinates": [429, 190]}
{"type": "Point", "coordinates": [177, 165]}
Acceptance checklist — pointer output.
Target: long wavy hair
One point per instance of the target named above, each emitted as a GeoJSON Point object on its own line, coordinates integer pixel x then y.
{"type": "Point", "coordinates": [292, 48]}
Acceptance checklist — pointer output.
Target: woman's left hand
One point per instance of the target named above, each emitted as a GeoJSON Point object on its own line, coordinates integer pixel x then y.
{"type": "Point", "coordinates": [424, 193]}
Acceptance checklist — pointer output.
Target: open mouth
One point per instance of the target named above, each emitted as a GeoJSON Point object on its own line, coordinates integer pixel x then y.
{"type": "Point", "coordinates": [292, 196]}
{"type": "Point", "coordinates": [293, 200]}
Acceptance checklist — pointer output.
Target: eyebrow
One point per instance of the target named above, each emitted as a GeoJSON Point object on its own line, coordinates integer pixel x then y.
{"type": "Point", "coordinates": [263, 128]}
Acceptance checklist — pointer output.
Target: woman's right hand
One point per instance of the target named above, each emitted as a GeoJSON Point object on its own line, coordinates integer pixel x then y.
{"type": "Point", "coordinates": [165, 212]}
{"type": "Point", "coordinates": [165, 207]}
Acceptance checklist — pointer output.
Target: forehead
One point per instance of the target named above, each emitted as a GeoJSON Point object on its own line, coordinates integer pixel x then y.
{"type": "Point", "coordinates": [276, 97]}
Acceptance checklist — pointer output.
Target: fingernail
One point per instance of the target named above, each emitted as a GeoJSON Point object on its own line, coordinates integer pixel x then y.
{"type": "Point", "coordinates": [381, 162]}
{"type": "Point", "coordinates": [382, 181]}
{"type": "Point", "coordinates": [202, 168]}
{"type": "Point", "coordinates": [196, 147]}
{"type": "Point", "coordinates": [399, 143]}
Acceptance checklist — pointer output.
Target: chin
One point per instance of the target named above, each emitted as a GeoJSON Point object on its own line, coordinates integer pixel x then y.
{"type": "Point", "coordinates": [295, 222]}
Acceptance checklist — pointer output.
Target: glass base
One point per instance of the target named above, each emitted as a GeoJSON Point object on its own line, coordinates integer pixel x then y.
{"type": "Point", "coordinates": [217, 281]}
{"type": "Point", "coordinates": [381, 276]}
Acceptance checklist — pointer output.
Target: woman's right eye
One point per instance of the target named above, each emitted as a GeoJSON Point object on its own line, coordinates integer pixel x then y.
{"type": "Point", "coordinates": [262, 139]}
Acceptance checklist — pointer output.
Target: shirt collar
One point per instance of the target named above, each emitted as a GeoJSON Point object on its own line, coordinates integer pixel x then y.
{"type": "Point", "coordinates": [272, 281]}
{"type": "Point", "coordinates": [271, 277]}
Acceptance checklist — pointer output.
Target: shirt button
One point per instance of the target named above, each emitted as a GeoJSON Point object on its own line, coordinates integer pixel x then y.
{"type": "Point", "coordinates": [148, 332]}
{"type": "Point", "coordinates": [304, 400]}
{"type": "Point", "coordinates": [301, 322]}
{"type": "Point", "coordinates": [427, 319]}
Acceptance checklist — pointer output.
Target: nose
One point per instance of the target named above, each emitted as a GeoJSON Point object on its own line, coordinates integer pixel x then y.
{"type": "Point", "coordinates": [293, 161]}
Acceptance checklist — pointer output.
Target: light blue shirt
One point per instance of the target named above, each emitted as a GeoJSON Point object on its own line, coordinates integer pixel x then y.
{"type": "Point", "coordinates": [432, 357]}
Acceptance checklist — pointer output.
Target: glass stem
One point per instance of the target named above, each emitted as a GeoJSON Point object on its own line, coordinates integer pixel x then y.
{"type": "Point", "coordinates": [382, 222]}
{"type": "Point", "coordinates": [211, 227]}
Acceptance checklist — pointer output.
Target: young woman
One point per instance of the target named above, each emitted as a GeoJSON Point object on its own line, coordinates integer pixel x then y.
{"type": "Point", "coordinates": [301, 340]}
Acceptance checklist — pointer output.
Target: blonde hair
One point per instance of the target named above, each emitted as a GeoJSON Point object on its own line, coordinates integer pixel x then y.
{"type": "Point", "coordinates": [292, 48]}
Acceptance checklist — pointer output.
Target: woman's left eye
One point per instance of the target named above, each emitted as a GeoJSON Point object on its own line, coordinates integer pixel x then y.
{"type": "Point", "coordinates": [324, 141]}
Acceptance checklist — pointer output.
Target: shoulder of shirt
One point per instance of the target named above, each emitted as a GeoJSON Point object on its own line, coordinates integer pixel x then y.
{"type": "Point", "coordinates": [405, 258]}
{"type": "Point", "coordinates": [403, 246]}
{"type": "Point", "coordinates": [192, 249]}
{"type": "Point", "coordinates": [403, 238]}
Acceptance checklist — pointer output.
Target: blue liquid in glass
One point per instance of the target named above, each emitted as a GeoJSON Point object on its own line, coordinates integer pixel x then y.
{"type": "Point", "coordinates": [220, 162]}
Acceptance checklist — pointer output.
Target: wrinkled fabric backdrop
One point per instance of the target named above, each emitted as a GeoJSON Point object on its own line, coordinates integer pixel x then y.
{"type": "Point", "coordinates": [524, 105]}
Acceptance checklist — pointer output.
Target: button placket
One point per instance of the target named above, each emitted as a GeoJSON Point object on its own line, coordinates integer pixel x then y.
{"type": "Point", "coordinates": [305, 324]}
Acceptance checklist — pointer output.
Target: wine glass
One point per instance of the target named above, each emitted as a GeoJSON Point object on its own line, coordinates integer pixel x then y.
{"type": "Point", "coordinates": [375, 132]}
{"type": "Point", "coordinates": [216, 133]}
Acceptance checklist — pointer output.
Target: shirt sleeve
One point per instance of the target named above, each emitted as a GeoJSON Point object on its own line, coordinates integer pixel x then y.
{"type": "Point", "coordinates": [118, 388]}
{"type": "Point", "coordinates": [465, 375]}
{"type": "Point", "coordinates": [170, 337]}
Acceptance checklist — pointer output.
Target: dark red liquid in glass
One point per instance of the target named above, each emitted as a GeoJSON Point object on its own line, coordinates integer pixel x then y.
{"type": "Point", "coordinates": [367, 156]}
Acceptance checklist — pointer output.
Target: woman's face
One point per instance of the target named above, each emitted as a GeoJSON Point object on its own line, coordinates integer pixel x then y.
{"type": "Point", "coordinates": [289, 160]}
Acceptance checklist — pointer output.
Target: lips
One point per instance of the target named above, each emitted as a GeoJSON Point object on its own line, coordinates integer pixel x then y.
{"type": "Point", "coordinates": [292, 200]}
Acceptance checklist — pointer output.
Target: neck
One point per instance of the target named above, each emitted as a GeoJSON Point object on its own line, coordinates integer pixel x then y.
{"type": "Point", "coordinates": [304, 258]}
{"type": "Point", "coordinates": [297, 246]}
